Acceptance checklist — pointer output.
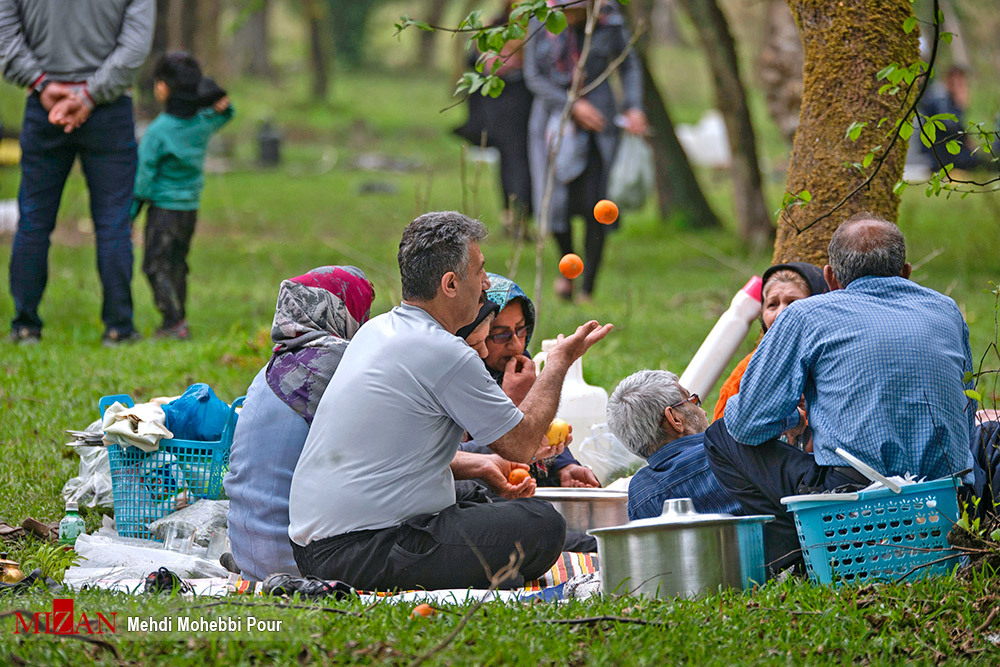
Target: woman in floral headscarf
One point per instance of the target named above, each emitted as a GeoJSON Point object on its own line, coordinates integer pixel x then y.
{"type": "Point", "coordinates": [316, 316]}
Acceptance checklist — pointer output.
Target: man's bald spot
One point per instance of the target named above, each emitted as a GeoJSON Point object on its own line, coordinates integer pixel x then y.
{"type": "Point", "coordinates": [866, 245]}
{"type": "Point", "coordinates": [868, 234]}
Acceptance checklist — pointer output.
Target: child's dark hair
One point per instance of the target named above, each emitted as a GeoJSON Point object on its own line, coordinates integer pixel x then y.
{"type": "Point", "coordinates": [180, 71]}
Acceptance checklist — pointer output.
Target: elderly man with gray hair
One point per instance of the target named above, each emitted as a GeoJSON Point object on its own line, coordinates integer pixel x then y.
{"type": "Point", "coordinates": [373, 501]}
{"type": "Point", "coordinates": [657, 419]}
{"type": "Point", "coordinates": [881, 362]}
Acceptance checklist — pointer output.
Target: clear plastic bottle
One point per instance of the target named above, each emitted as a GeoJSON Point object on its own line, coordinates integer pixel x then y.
{"type": "Point", "coordinates": [581, 405]}
{"type": "Point", "coordinates": [71, 526]}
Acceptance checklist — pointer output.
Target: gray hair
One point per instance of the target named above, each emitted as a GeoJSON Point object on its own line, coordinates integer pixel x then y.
{"type": "Point", "coordinates": [635, 409]}
{"type": "Point", "coordinates": [432, 245]}
{"type": "Point", "coordinates": [866, 245]}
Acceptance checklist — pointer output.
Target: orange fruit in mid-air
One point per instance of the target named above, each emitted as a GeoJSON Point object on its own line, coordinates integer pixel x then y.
{"type": "Point", "coordinates": [517, 475]}
{"type": "Point", "coordinates": [571, 265]}
{"type": "Point", "coordinates": [605, 211]}
{"type": "Point", "coordinates": [424, 610]}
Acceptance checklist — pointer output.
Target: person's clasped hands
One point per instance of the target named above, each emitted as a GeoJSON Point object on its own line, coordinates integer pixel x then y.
{"type": "Point", "coordinates": [68, 105]}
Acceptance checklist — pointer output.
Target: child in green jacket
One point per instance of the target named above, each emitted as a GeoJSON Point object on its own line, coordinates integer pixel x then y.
{"type": "Point", "coordinates": [170, 178]}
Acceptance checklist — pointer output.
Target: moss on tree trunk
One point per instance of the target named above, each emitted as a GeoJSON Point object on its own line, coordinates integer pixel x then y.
{"type": "Point", "coordinates": [845, 44]}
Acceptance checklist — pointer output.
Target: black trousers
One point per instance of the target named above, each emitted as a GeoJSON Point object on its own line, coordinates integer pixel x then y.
{"type": "Point", "coordinates": [168, 240]}
{"type": "Point", "coordinates": [760, 476]}
{"type": "Point", "coordinates": [459, 547]}
{"type": "Point", "coordinates": [584, 192]}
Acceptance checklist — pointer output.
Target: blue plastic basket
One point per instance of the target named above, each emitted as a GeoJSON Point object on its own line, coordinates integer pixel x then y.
{"type": "Point", "coordinates": [880, 536]}
{"type": "Point", "coordinates": [149, 485]}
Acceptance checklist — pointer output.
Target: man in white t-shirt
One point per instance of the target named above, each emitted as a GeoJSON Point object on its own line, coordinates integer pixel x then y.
{"type": "Point", "coordinates": [373, 500]}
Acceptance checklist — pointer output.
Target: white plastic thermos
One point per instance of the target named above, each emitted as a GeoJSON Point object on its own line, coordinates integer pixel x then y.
{"type": "Point", "coordinates": [723, 340]}
{"type": "Point", "coordinates": [581, 405]}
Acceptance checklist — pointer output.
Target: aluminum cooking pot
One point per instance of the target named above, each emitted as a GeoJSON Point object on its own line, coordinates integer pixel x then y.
{"type": "Point", "coordinates": [682, 553]}
{"type": "Point", "coordinates": [585, 509]}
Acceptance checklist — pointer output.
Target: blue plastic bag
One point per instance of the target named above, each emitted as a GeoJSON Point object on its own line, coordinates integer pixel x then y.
{"type": "Point", "coordinates": [197, 415]}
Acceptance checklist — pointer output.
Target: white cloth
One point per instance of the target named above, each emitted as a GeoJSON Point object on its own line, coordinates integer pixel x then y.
{"type": "Point", "coordinates": [141, 426]}
{"type": "Point", "coordinates": [385, 432]}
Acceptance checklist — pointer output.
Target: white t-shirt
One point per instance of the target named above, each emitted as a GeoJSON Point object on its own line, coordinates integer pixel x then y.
{"type": "Point", "coordinates": [388, 426]}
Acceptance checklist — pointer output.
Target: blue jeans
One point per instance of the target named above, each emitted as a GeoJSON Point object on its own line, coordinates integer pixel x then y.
{"type": "Point", "coordinates": [107, 149]}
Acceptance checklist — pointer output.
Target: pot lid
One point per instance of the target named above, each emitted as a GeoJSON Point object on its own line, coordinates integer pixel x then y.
{"type": "Point", "coordinates": [578, 493]}
{"type": "Point", "coordinates": [679, 513]}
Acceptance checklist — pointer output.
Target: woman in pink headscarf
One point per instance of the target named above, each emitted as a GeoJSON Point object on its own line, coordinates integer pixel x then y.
{"type": "Point", "coordinates": [316, 316]}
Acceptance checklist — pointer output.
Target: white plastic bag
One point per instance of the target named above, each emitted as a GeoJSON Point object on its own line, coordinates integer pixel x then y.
{"type": "Point", "coordinates": [607, 456]}
{"type": "Point", "coordinates": [631, 178]}
{"type": "Point", "coordinates": [92, 485]}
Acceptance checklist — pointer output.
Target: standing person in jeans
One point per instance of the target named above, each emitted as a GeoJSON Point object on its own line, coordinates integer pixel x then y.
{"type": "Point", "coordinates": [77, 61]}
{"type": "Point", "coordinates": [171, 176]}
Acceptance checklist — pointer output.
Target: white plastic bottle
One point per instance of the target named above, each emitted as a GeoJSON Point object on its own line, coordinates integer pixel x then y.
{"type": "Point", "coordinates": [723, 340]}
{"type": "Point", "coordinates": [581, 405]}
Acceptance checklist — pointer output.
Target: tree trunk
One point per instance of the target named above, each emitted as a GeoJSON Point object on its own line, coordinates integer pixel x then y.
{"type": "Point", "coordinates": [844, 48]}
{"type": "Point", "coordinates": [147, 106]}
{"type": "Point", "coordinates": [206, 37]}
{"type": "Point", "coordinates": [752, 220]}
{"type": "Point", "coordinates": [188, 25]}
{"type": "Point", "coordinates": [779, 68]}
{"type": "Point", "coordinates": [251, 44]}
{"type": "Point", "coordinates": [677, 190]}
{"type": "Point", "coordinates": [664, 24]}
{"type": "Point", "coordinates": [318, 56]}
{"type": "Point", "coordinates": [428, 40]}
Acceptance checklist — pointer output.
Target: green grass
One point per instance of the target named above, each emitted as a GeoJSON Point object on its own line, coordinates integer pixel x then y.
{"type": "Point", "coordinates": [662, 286]}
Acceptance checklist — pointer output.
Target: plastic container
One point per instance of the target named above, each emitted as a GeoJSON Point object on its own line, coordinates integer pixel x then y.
{"type": "Point", "coordinates": [880, 536]}
{"type": "Point", "coordinates": [71, 526]}
{"type": "Point", "coordinates": [581, 405]}
{"type": "Point", "coordinates": [150, 485]}
{"type": "Point", "coordinates": [723, 340]}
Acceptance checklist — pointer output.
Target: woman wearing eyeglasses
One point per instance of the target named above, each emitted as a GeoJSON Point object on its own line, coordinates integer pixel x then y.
{"type": "Point", "coordinates": [509, 364]}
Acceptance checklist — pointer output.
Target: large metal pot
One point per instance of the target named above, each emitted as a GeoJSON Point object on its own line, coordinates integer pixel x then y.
{"type": "Point", "coordinates": [682, 553]}
{"type": "Point", "coordinates": [585, 509]}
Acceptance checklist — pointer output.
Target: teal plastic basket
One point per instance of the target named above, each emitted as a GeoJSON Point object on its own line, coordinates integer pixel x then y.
{"type": "Point", "coordinates": [150, 485]}
{"type": "Point", "coordinates": [881, 536]}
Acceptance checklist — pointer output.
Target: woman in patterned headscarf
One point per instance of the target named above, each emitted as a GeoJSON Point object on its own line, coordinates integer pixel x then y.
{"type": "Point", "coordinates": [316, 316]}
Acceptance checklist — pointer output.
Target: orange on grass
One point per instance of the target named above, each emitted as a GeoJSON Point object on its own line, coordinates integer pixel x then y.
{"type": "Point", "coordinates": [517, 475]}
{"type": "Point", "coordinates": [571, 266]}
{"type": "Point", "coordinates": [605, 211]}
{"type": "Point", "coordinates": [424, 610]}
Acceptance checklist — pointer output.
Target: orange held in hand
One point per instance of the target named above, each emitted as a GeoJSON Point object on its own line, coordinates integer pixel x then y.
{"type": "Point", "coordinates": [424, 610]}
{"type": "Point", "coordinates": [605, 211]}
{"type": "Point", "coordinates": [571, 265]}
{"type": "Point", "coordinates": [558, 432]}
{"type": "Point", "coordinates": [517, 475]}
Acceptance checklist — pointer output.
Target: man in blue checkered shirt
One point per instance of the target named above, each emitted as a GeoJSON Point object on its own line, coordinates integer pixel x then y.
{"type": "Point", "coordinates": [657, 419]}
{"type": "Point", "coordinates": [880, 361]}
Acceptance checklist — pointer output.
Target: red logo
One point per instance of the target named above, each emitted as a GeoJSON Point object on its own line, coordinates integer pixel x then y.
{"type": "Point", "coordinates": [61, 621]}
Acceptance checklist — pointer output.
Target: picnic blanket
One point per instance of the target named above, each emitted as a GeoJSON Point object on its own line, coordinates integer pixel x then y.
{"type": "Point", "coordinates": [548, 587]}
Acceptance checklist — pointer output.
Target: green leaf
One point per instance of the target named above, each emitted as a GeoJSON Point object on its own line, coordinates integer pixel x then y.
{"type": "Point", "coordinates": [995, 535]}
{"type": "Point", "coordinates": [555, 22]}
{"type": "Point", "coordinates": [854, 130]}
{"type": "Point", "coordinates": [946, 37]}
{"type": "Point", "coordinates": [974, 395]}
{"type": "Point", "coordinates": [905, 131]}
{"type": "Point", "coordinates": [899, 188]}
{"type": "Point", "coordinates": [953, 147]}
{"type": "Point", "coordinates": [909, 24]}
{"type": "Point", "coordinates": [885, 71]}
{"type": "Point", "coordinates": [805, 196]}
{"type": "Point", "coordinates": [967, 378]}
{"type": "Point", "coordinates": [867, 160]}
